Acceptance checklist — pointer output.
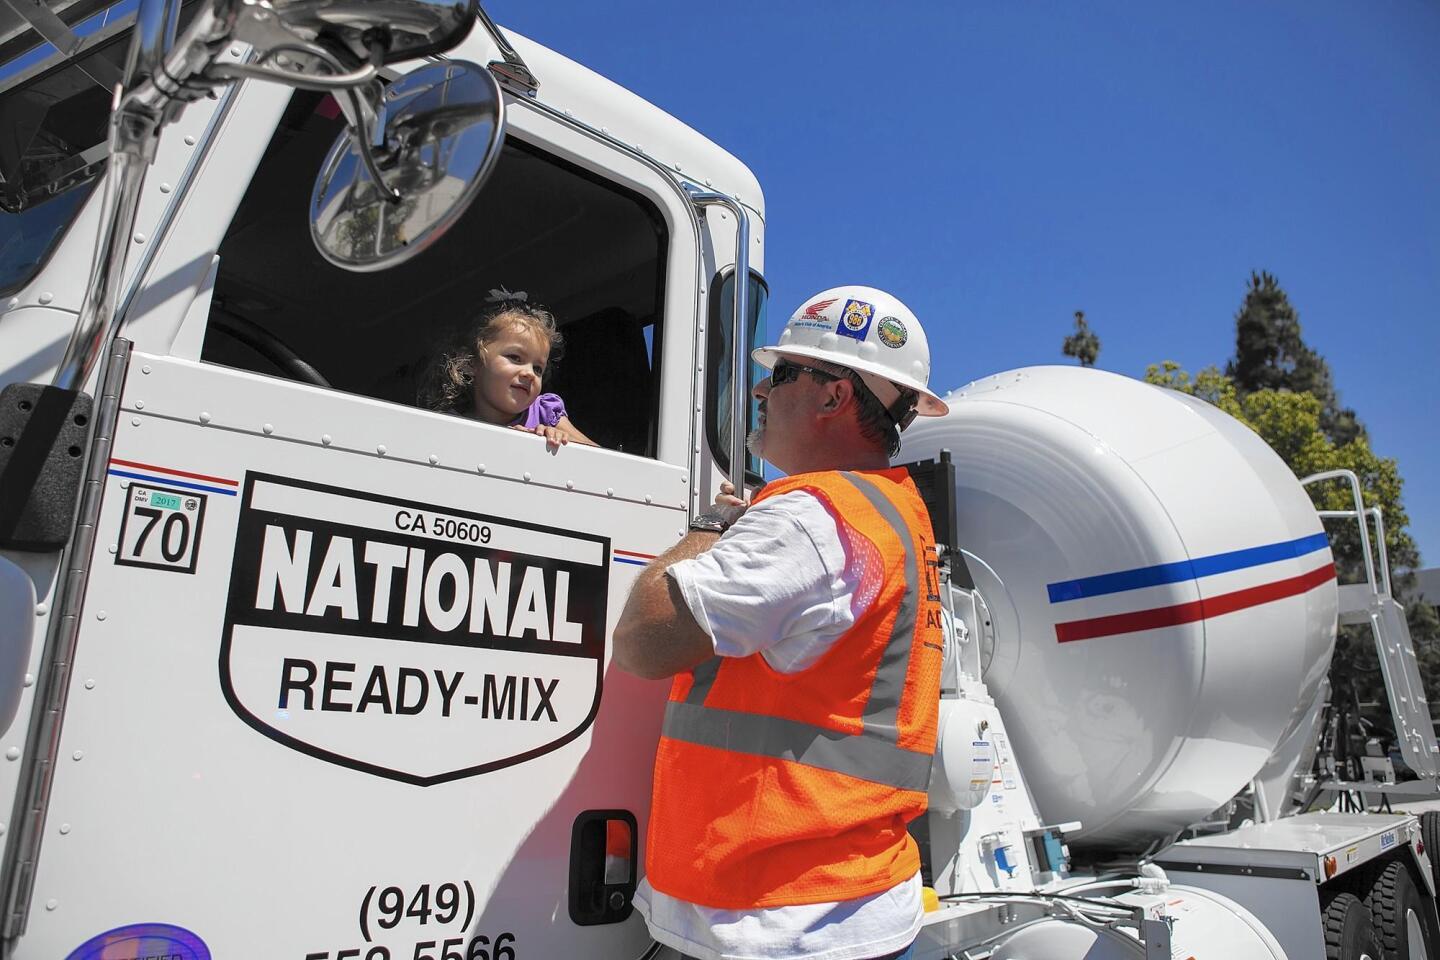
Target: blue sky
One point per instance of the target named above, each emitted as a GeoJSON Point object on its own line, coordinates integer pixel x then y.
{"type": "Point", "coordinates": [1000, 165]}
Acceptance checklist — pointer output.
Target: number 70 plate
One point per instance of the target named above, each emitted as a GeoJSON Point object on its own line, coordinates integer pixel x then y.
{"type": "Point", "coordinates": [160, 528]}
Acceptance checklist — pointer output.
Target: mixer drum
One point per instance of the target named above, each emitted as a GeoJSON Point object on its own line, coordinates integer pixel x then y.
{"type": "Point", "coordinates": [1161, 590]}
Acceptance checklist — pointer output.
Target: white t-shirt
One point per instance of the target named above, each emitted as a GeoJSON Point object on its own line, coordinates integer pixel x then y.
{"type": "Point", "coordinates": [784, 581]}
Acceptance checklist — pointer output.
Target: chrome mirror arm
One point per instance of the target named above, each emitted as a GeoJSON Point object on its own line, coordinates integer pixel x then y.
{"type": "Point", "coordinates": [512, 68]}
{"type": "Point", "coordinates": [149, 97]}
{"type": "Point", "coordinates": [155, 24]}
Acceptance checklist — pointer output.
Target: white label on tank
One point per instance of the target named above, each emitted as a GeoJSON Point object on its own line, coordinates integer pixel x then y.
{"type": "Point", "coordinates": [411, 641]}
{"type": "Point", "coordinates": [982, 763]}
{"type": "Point", "coordinates": [1007, 763]}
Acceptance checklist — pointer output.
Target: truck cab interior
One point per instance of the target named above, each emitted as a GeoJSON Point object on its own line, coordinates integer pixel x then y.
{"type": "Point", "coordinates": [589, 251]}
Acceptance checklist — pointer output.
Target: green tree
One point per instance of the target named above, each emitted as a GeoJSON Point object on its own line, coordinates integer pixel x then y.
{"type": "Point", "coordinates": [1291, 423]}
{"type": "Point", "coordinates": [1271, 354]}
{"type": "Point", "coordinates": [1083, 344]}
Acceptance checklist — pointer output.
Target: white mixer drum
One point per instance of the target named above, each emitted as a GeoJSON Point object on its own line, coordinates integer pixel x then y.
{"type": "Point", "coordinates": [1162, 592]}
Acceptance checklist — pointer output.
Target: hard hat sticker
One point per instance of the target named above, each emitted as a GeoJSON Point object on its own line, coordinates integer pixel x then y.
{"type": "Point", "coordinates": [855, 319]}
{"type": "Point", "coordinates": [892, 332]}
{"type": "Point", "coordinates": [816, 310]}
{"type": "Point", "coordinates": [143, 940]}
{"type": "Point", "coordinates": [409, 640]}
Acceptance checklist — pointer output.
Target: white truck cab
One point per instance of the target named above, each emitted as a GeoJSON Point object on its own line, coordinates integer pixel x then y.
{"type": "Point", "coordinates": [357, 647]}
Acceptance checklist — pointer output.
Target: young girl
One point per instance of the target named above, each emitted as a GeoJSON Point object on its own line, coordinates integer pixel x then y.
{"type": "Point", "coordinates": [496, 374]}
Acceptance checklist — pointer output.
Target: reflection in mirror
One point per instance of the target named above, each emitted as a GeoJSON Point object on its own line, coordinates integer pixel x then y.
{"type": "Point", "coordinates": [400, 29]}
{"type": "Point", "coordinates": [617, 852]}
{"type": "Point", "coordinates": [439, 134]}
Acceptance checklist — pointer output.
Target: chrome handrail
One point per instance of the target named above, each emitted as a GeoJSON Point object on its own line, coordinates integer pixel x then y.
{"type": "Point", "coordinates": [1375, 514]}
{"type": "Point", "coordinates": [1358, 513]}
{"type": "Point", "coordinates": [739, 356]}
{"type": "Point", "coordinates": [1384, 557]}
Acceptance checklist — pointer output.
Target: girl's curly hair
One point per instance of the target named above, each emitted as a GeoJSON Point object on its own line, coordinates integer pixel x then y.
{"type": "Point", "coordinates": [450, 385]}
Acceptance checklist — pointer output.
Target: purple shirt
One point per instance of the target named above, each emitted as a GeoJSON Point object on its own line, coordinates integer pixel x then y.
{"type": "Point", "coordinates": [548, 408]}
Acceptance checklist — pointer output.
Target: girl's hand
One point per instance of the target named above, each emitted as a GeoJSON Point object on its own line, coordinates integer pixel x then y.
{"type": "Point", "coordinates": [555, 437]}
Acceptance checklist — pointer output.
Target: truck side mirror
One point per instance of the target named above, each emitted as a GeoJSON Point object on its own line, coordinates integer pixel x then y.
{"type": "Point", "coordinates": [381, 200]}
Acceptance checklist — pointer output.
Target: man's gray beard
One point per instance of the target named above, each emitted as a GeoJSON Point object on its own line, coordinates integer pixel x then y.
{"type": "Point", "coordinates": [755, 442]}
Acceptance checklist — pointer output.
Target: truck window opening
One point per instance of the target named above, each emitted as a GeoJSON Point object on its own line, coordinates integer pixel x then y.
{"type": "Point", "coordinates": [588, 250]}
{"type": "Point", "coordinates": [56, 127]}
{"type": "Point", "coordinates": [55, 117]}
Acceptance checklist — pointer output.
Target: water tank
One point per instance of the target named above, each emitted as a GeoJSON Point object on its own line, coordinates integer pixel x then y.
{"type": "Point", "coordinates": [1161, 592]}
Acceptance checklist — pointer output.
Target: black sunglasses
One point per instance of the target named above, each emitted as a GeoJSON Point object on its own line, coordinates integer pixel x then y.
{"type": "Point", "coordinates": [785, 371]}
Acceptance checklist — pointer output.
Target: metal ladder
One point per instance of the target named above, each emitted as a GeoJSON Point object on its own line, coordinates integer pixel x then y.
{"type": "Point", "coordinates": [1371, 602]}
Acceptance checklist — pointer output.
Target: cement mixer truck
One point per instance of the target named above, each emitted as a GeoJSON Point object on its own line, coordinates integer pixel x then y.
{"type": "Point", "coordinates": [292, 666]}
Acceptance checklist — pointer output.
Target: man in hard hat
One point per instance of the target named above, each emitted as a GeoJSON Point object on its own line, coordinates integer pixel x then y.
{"type": "Point", "coordinates": [804, 641]}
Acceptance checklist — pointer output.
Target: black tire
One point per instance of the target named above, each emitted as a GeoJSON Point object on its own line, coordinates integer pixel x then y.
{"type": "Point", "coordinates": [1430, 836]}
{"type": "Point", "coordinates": [1393, 899]}
{"type": "Point", "coordinates": [1349, 929]}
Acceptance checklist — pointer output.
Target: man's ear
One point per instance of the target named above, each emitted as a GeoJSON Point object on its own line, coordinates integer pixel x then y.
{"type": "Point", "coordinates": [837, 395]}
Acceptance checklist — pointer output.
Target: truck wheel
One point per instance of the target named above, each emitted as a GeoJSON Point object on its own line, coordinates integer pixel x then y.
{"type": "Point", "coordinates": [1401, 914]}
{"type": "Point", "coordinates": [1349, 930]}
{"type": "Point", "coordinates": [1430, 836]}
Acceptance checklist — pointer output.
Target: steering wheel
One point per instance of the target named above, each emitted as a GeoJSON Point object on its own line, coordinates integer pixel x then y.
{"type": "Point", "coordinates": [269, 346]}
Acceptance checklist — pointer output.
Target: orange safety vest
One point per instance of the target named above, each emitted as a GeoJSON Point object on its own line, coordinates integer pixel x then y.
{"type": "Point", "coordinates": [774, 789]}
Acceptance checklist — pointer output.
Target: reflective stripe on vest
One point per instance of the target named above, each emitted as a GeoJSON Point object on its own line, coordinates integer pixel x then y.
{"type": "Point", "coordinates": [873, 754]}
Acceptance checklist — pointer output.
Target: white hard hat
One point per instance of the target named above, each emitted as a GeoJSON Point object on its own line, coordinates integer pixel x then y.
{"type": "Point", "coordinates": [868, 331]}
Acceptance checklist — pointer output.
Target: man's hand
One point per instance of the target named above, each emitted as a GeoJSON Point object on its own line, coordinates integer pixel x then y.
{"type": "Point", "coordinates": [728, 504]}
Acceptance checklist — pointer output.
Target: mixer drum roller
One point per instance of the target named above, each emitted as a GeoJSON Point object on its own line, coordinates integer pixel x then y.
{"type": "Point", "coordinates": [1161, 590]}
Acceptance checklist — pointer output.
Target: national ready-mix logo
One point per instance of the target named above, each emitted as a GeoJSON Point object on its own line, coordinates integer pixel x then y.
{"type": "Point", "coordinates": [411, 641]}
